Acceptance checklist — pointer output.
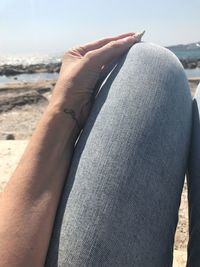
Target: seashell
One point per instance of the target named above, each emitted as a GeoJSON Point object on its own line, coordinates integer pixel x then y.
{"type": "Point", "coordinates": [138, 36]}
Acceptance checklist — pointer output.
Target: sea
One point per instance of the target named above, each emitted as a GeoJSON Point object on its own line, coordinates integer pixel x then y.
{"type": "Point", "coordinates": [189, 51]}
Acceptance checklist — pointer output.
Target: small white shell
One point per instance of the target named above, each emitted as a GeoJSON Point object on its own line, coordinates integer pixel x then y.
{"type": "Point", "coordinates": [138, 36]}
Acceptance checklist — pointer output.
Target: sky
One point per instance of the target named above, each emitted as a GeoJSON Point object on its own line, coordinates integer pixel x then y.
{"type": "Point", "coordinates": [51, 26]}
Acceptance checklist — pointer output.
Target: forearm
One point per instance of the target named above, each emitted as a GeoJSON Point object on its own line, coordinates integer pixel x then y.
{"type": "Point", "coordinates": [29, 202]}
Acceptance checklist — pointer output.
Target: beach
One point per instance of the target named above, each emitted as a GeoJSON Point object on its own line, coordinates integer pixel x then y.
{"type": "Point", "coordinates": [21, 105]}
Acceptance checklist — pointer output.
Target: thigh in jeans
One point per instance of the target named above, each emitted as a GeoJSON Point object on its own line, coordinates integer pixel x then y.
{"type": "Point", "coordinates": [119, 205]}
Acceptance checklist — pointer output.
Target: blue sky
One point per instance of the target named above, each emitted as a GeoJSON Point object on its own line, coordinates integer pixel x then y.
{"type": "Point", "coordinates": [43, 26]}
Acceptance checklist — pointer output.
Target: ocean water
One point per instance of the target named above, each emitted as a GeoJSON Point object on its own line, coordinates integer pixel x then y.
{"type": "Point", "coordinates": [192, 73]}
{"type": "Point", "coordinates": [30, 59]}
{"type": "Point", "coordinates": [28, 77]}
{"type": "Point", "coordinates": [190, 51]}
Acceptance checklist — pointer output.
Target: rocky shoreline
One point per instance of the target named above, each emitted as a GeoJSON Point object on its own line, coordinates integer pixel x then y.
{"type": "Point", "coordinates": [190, 63]}
{"type": "Point", "coordinates": [12, 70]}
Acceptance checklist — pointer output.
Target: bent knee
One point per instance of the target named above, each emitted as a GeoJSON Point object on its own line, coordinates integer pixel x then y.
{"type": "Point", "coordinates": [151, 54]}
{"type": "Point", "coordinates": [148, 65]}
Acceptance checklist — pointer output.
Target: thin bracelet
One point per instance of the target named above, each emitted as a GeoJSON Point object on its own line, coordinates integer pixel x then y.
{"type": "Point", "coordinates": [73, 115]}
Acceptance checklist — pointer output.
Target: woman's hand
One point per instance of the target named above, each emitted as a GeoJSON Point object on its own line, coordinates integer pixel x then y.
{"type": "Point", "coordinates": [81, 68]}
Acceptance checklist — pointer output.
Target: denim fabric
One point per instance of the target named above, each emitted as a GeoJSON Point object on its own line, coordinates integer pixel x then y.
{"type": "Point", "coordinates": [119, 206]}
{"type": "Point", "coordinates": [194, 187]}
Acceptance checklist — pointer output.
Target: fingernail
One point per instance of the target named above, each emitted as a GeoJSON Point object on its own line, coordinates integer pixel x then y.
{"type": "Point", "coordinates": [138, 36]}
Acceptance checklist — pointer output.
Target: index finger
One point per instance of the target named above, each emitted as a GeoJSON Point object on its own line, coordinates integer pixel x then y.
{"type": "Point", "coordinates": [99, 43]}
{"type": "Point", "coordinates": [110, 51]}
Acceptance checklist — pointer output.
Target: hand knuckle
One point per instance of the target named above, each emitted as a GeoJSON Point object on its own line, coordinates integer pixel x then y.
{"type": "Point", "coordinates": [114, 44]}
{"type": "Point", "coordinates": [82, 50]}
{"type": "Point", "coordinates": [89, 55]}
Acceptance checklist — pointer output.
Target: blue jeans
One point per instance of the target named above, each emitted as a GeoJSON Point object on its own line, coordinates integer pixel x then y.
{"type": "Point", "coordinates": [119, 205]}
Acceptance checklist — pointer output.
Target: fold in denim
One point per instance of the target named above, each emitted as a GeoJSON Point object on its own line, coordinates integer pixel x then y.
{"type": "Point", "coordinates": [119, 205]}
{"type": "Point", "coordinates": [193, 180]}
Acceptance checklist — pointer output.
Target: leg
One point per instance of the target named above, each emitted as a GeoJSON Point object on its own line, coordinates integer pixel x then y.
{"type": "Point", "coordinates": [194, 187]}
{"type": "Point", "coordinates": [120, 203]}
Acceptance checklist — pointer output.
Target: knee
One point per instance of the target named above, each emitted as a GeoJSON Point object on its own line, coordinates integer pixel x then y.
{"type": "Point", "coordinates": [151, 52]}
{"type": "Point", "coordinates": [156, 58]}
{"type": "Point", "coordinates": [156, 66]}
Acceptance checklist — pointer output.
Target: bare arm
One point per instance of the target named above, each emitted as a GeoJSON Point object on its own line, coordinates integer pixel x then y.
{"type": "Point", "coordinates": [29, 201]}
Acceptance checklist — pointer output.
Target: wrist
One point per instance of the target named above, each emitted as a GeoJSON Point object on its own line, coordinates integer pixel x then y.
{"type": "Point", "coordinates": [65, 97]}
{"type": "Point", "coordinates": [75, 102]}
{"type": "Point", "coordinates": [69, 114]}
